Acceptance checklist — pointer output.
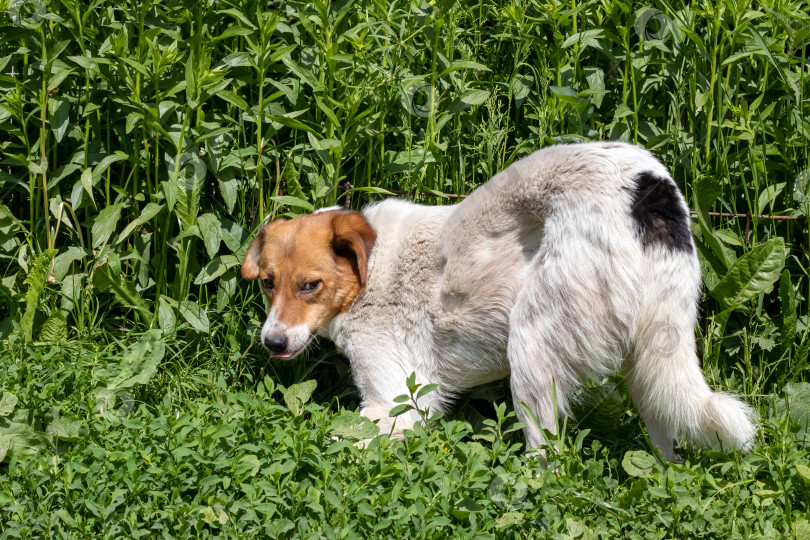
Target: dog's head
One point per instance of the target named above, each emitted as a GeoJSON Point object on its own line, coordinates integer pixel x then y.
{"type": "Point", "coordinates": [311, 269]}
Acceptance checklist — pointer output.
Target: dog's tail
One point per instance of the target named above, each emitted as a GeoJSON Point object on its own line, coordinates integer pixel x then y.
{"type": "Point", "coordinates": [664, 375]}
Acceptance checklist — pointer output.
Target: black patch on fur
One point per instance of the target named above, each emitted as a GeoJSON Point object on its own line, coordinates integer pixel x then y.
{"type": "Point", "coordinates": [659, 213]}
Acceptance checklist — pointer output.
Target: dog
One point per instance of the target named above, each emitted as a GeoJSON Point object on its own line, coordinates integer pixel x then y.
{"type": "Point", "coordinates": [571, 263]}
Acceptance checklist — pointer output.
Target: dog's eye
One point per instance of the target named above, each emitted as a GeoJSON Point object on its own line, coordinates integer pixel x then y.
{"type": "Point", "coordinates": [267, 284]}
{"type": "Point", "coordinates": [311, 286]}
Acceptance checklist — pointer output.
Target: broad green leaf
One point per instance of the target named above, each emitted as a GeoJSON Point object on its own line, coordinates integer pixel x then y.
{"type": "Point", "coordinates": [768, 196]}
{"type": "Point", "coordinates": [104, 224]}
{"type": "Point", "coordinates": [7, 403]}
{"type": "Point", "coordinates": [463, 64]}
{"type": "Point", "coordinates": [366, 509]}
{"type": "Point", "coordinates": [751, 274]}
{"type": "Point", "coordinates": [38, 166]}
{"type": "Point", "coordinates": [137, 365]}
{"type": "Point", "coordinates": [194, 315]}
{"type": "Point", "coordinates": [107, 276]}
{"type": "Point", "coordinates": [407, 160]}
{"type": "Point", "coordinates": [596, 83]}
{"type": "Point", "coordinates": [194, 231]}
{"type": "Point", "coordinates": [373, 189]}
{"type": "Point", "coordinates": [287, 200]}
{"type": "Point", "coordinates": [468, 99]}
{"type": "Point", "coordinates": [212, 134]}
{"type": "Point", "coordinates": [303, 74]}
{"type": "Point", "coordinates": [234, 236]}
{"type": "Point", "coordinates": [71, 289]}
{"type": "Point", "coordinates": [21, 439]}
{"type": "Point", "coordinates": [426, 389]}
{"type": "Point", "coordinates": [85, 62]}
{"type": "Point", "coordinates": [789, 315]}
{"type": "Point", "coordinates": [465, 507]}
{"type": "Point", "coordinates": [170, 192]}
{"type": "Point", "coordinates": [801, 190]}
{"type": "Point", "coordinates": [211, 232]}
{"type": "Point", "coordinates": [214, 516]}
{"type": "Point", "coordinates": [187, 174]}
{"type": "Point", "coordinates": [234, 99]}
{"type": "Point", "coordinates": [166, 318]}
{"type": "Point", "coordinates": [509, 519]}
{"type": "Point", "coordinates": [226, 288]}
{"type": "Point", "coordinates": [586, 38]}
{"type": "Point", "coordinates": [338, 446]}
{"type": "Point", "coordinates": [36, 284]}
{"type": "Point", "coordinates": [400, 410]}
{"type": "Point", "coordinates": [804, 472]}
{"type": "Point", "coordinates": [87, 184]}
{"type": "Point", "coordinates": [797, 402]}
{"type": "Point", "coordinates": [63, 261]}
{"type": "Point", "coordinates": [569, 95]}
{"type": "Point", "coordinates": [55, 80]}
{"type": "Point", "coordinates": [757, 43]}
{"type": "Point", "coordinates": [68, 430]}
{"type": "Point", "coordinates": [192, 90]}
{"type": "Point", "coordinates": [729, 237]}
{"type": "Point", "coordinates": [522, 86]}
{"type": "Point", "coordinates": [54, 329]}
{"type": "Point", "coordinates": [284, 51]}
{"type": "Point", "coordinates": [247, 465]}
{"type": "Point", "coordinates": [58, 109]}
{"type": "Point", "coordinates": [706, 192]}
{"type": "Point", "coordinates": [621, 111]}
{"type": "Point", "coordinates": [229, 187]}
{"type": "Point", "coordinates": [133, 119]}
{"type": "Point", "coordinates": [297, 395]}
{"type": "Point", "coordinates": [801, 528]}
{"type": "Point", "coordinates": [240, 16]}
{"type": "Point", "coordinates": [323, 144]}
{"type": "Point", "coordinates": [148, 212]}
{"type": "Point", "coordinates": [638, 463]}
{"type": "Point", "coordinates": [105, 163]}
{"type": "Point", "coordinates": [216, 268]}
{"type": "Point", "coordinates": [350, 425]}
{"type": "Point", "coordinates": [233, 31]}
{"type": "Point", "coordinates": [8, 221]}
{"type": "Point", "coordinates": [292, 123]}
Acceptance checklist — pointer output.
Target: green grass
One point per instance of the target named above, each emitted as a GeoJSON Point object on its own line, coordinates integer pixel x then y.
{"type": "Point", "coordinates": [142, 144]}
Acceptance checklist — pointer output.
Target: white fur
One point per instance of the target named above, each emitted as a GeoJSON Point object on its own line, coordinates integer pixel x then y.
{"type": "Point", "coordinates": [540, 274]}
{"type": "Point", "coordinates": [298, 336]}
{"type": "Point", "coordinates": [327, 209]}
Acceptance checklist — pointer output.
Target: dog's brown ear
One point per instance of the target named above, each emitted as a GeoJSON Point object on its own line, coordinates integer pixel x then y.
{"type": "Point", "coordinates": [250, 266]}
{"type": "Point", "coordinates": [354, 237]}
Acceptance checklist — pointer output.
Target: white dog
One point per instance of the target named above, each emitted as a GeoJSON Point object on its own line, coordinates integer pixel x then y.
{"type": "Point", "coordinates": [571, 263]}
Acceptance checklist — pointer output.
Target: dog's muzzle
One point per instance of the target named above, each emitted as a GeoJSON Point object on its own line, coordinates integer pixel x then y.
{"type": "Point", "coordinates": [276, 344]}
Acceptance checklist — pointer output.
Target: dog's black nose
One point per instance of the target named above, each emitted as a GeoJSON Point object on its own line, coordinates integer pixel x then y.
{"type": "Point", "coordinates": [276, 344]}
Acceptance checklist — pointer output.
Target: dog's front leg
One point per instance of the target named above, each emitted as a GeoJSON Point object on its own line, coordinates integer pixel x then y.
{"type": "Point", "coordinates": [379, 400]}
{"type": "Point", "coordinates": [392, 426]}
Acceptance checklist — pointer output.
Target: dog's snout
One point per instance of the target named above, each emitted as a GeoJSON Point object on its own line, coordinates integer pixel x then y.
{"type": "Point", "coordinates": [276, 344]}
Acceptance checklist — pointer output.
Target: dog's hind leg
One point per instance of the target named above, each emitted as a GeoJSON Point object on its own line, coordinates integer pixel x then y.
{"type": "Point", "coordinates": [534, 385]}
{"type": "Point", "coordinates": [663, 372]}
{"type": "Point", "coordinates": [558, 336]}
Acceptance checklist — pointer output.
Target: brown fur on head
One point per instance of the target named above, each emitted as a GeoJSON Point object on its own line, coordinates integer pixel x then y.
{"type": "Point", "coordinates": [312, 268]}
